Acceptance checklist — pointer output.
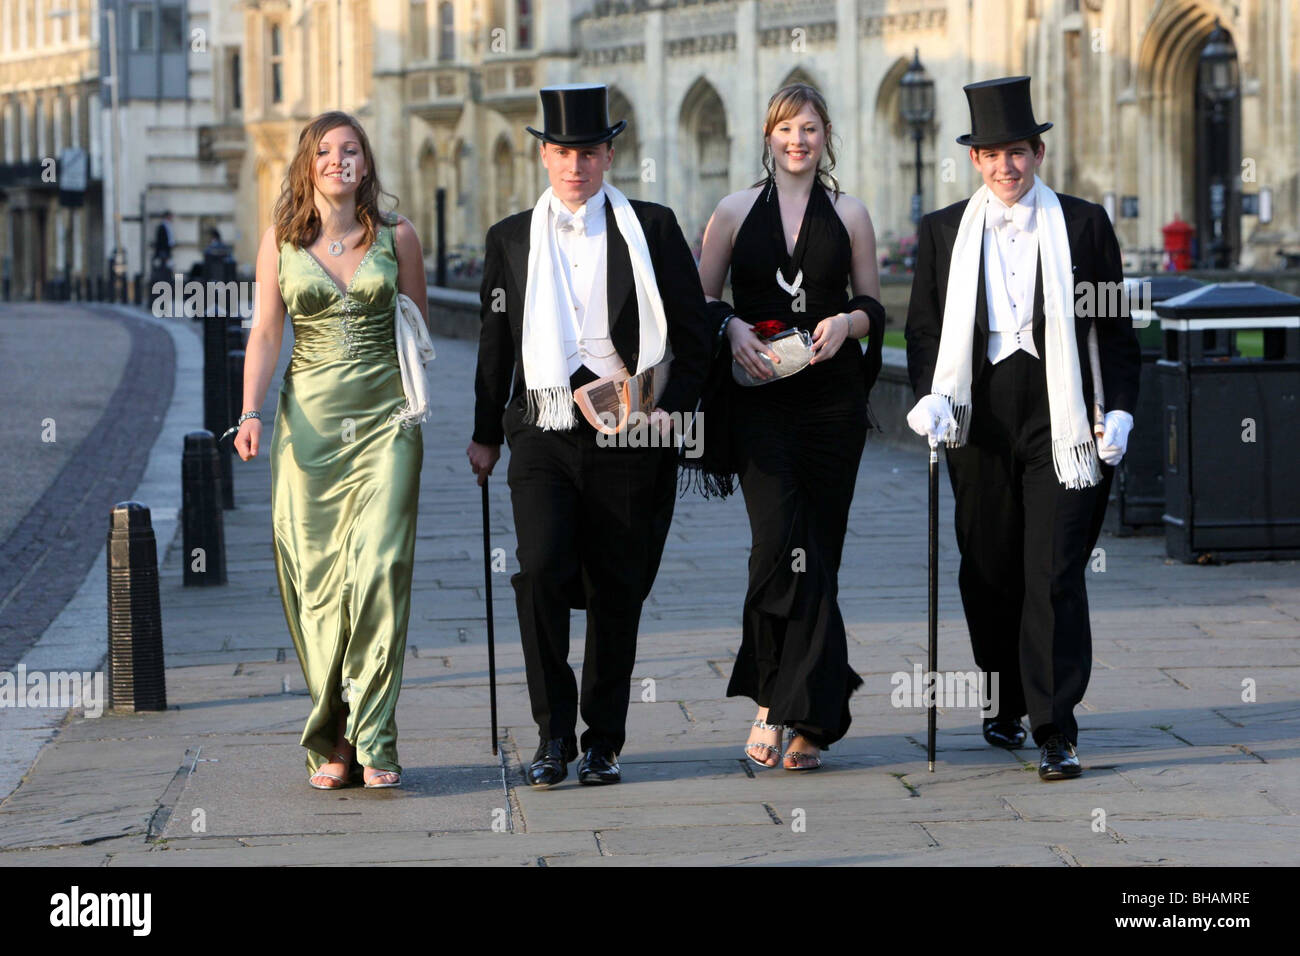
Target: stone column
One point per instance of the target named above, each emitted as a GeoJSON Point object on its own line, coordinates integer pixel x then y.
{"type": "Point", "coordinates": [79, 240]}
{"type": "Point", "coordinates": [746, 149]}
{"type": "Point", "coordinates": [658, 141]}
{"type": "Point", "coordinates": [846, 116]}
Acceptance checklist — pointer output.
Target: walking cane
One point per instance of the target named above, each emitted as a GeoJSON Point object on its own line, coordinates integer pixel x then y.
{"type": "Point", "coordinates": [934, 594]}
{"type": "Point", "coordinates": [487, 585]}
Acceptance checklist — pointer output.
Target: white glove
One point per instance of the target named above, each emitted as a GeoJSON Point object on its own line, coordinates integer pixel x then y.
{"type": "Point", "coordinates": [931, 418]}
{"type": "Point", "coordinates": [1114, 440]}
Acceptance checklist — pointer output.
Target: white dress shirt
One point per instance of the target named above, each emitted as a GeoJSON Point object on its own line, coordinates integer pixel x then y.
{"type": "Point", "coordinates": [1010, 274]}
{"type": "Point", "coordinates": [580, 264]}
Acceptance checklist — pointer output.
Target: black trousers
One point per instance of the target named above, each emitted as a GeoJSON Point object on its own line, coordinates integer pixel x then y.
{"type": "Point", "coordinates": [1025, 543]}
{"type": "Point", "coordinates": [591, 523]}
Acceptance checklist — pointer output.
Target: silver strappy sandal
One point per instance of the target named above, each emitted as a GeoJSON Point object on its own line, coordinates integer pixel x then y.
{"type": "Point", "coordinates": [342, 781]}
{"type": "Point", "coordinates": [797, 754]}
{"type": "Point", "coordinates": [382, 786]}
{"type": "Point", "coordinates": [776, 751]}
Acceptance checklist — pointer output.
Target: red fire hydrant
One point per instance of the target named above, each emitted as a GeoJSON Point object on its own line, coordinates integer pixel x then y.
{"type": "Point", "coordinates": [1178, 245]}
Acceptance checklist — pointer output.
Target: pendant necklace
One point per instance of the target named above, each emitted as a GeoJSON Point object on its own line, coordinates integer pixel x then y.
{"type": "Point", "coordinates": [336, 245]}
{"type": "Point", "coordinates": [791, 289]}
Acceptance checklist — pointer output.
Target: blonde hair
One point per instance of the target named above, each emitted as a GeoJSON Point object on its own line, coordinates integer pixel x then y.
{"type": "Point", "coordinates": [295, 217]}
{"type": "Point", "coordinates": [789, 101]}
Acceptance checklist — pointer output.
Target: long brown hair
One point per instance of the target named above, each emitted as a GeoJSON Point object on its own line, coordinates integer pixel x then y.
{"type": "Point", "coordinates": [295, 216]}
{"type": "Point", "coordinates": [789, 101]}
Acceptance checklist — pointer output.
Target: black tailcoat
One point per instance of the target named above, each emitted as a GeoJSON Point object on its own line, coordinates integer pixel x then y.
{"type": "Point", "coordinates": [1094, 252]}
{"type": "Point", "coordinates": [591, 521]}
{"type": "Point", "coordinates": [499, 384]}
{"type": "Point", "coordinates": [1025, 540]}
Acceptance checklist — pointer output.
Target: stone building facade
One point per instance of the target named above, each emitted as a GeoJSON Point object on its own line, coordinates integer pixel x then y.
{"type": "Point", "coordinates": [179, 135]}
{"type": "Point", "coordinates": [49, 127]}
{"type": "Point", "coordinates": [445, 88]}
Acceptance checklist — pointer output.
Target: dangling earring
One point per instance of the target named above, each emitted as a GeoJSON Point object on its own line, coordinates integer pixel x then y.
{"type": "Point", "coordinates": [768, 167]}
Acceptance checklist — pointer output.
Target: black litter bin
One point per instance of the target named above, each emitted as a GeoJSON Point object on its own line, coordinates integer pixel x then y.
{"type": "Point", "coordinates": [1232, 473]}
{"type": "Point", "coordinates": [1140, 478]}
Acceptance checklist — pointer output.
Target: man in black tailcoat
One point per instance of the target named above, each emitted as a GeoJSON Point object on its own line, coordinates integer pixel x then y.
{"type": "Point", "coordinates": [1023, 364]}
{"type": "Point", "coordinates": [584, 285]}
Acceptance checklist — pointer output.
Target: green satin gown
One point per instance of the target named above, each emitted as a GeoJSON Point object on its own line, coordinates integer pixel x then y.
{"type": "Point", "coordinates": [344, 488]}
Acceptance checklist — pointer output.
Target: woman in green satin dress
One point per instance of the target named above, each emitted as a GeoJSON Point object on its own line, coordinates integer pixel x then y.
{"type": "Point", "coordinates": [345, 479]}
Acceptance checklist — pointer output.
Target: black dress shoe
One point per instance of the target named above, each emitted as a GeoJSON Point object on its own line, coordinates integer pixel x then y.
{"type": "Point", "coordinates": [1006, 732]}
{"type": "Point", "coordinates": [1057, 759]}
{"type": "Point", "coordinates": [550, 764]}
{"type": "Point", "coordinates": [597, 768]}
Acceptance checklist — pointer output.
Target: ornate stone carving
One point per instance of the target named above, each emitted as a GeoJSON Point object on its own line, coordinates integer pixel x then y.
{"type": "Point", "coordinates": [692, 46]}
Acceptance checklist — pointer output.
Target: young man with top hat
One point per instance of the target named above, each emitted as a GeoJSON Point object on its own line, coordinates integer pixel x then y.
{"type": "Point", "coordinates": [585, 284]}
{"type": "Point", "coordinates": [1031, 384]}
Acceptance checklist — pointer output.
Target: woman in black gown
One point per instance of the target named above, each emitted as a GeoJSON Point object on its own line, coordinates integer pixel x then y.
{"type": "Point", "coordinates": [793, 245]}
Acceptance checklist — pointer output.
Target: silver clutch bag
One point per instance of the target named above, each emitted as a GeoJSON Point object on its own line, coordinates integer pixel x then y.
{"type": "Point", "coordinates": [793, 347]}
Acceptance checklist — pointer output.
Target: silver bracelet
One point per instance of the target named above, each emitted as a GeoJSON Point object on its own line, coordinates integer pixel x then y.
{"type": "Point", "coordinates": [234, 429]}
{"type": "Point", "coordinates": [722, 329]}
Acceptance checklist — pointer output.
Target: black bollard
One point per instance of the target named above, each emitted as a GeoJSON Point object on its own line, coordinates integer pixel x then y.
{"type": "Point", "coordinates": [216, 404]}
{"type": "Point", "coordinates": [216, 397]}
{"type": "Point", "coordinates": [440, 269]}
{"type": "Point", "coordinates": [202, 523]}
{"type": "Point", "coordinates": [226, 459]}
{"type": "Point", "coordinates": [135, 649]}
{"type": "Point", "coordinates": [235, 340]}
{"type": "Point", "coordinates": [235, 369]}
{"type": "Point", "coordinates": [235, 374]}
{"type": "Point", "coordinates": [234, 402]}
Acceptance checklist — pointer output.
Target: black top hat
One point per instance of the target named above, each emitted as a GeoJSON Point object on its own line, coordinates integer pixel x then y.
{"type": "Point", "coordinates": [1000, 112]}
{"type": "Point", "coordinates": [576, 114]}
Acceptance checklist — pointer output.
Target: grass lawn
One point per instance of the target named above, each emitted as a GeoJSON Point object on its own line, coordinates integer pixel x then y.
{"type": "Point", "coordinates": [1251, 344]}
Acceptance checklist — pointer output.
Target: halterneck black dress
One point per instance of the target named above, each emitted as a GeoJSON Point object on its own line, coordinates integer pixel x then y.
{"type": "Point", "coordinates": [797, 443]}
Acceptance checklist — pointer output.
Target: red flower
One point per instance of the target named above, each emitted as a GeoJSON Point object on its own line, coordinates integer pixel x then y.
{"type": "Point", "coordinates": [769, 328]}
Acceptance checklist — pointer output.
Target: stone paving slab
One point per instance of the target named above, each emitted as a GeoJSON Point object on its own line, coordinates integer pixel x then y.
{"type": "Point", "coordinates": [749, 843]}
{"type": "Point", "coordinates": [838, 856]}
{"type": "Point", "coordinates": [1146, 805]}
{"type": "Point", "coordinates": [247, 788]}
{"type": "Point", "coordinates": [81, 792]}
{"type": "Point", "coordinates": [486, 849]}
{"type": "Point", "coordinates": [1186, 771]}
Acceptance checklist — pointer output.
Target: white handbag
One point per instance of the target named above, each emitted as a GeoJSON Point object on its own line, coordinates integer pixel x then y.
{"type": "Point", "coordinates": [793, 347]}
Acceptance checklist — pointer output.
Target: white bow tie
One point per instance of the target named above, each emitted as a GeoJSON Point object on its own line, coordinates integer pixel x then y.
{"type": "Point", "coordinates": [572, 223]}
{"type": "Point", "coordinates": [1014, 218]}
